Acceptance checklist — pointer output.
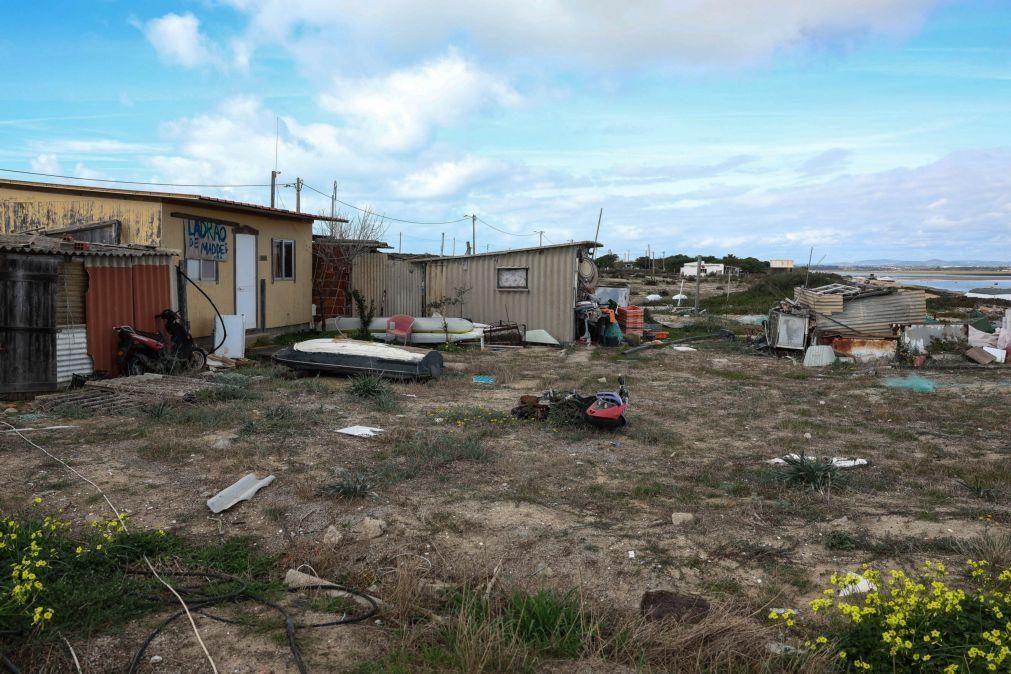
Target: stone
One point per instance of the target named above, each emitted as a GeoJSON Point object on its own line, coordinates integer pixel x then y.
{"type": "Point", "coordinates": [332, 536]}
{"type": "Point", "coordinates": [371, 528]}
{"type": "Point", "coordinates": [667, 605]}
{"type": "Point", "coordinates": [155, 659]}
{"type": "Point", "coordinates": [682, 518]}
{"type": "Point", "coordinates": [11, 410]}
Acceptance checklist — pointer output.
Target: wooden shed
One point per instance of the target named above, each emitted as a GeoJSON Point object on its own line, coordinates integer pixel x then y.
{"type": "Point", "coordinates": [60, 300]}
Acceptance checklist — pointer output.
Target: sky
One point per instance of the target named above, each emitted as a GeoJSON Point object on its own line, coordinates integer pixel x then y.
{"type": "Point", "coordinates": [866, 129]}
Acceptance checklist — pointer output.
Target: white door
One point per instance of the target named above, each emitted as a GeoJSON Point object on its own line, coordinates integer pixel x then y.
{"type": "Point", "coordinates": [245, 278]}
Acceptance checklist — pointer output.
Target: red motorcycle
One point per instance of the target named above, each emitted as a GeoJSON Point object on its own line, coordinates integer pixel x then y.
{"type": "Point", "coordinates": [141, 352]}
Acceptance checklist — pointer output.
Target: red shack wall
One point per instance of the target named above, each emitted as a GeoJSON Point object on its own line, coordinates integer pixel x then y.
{"type": "Point", "coordinates": [129, 294]}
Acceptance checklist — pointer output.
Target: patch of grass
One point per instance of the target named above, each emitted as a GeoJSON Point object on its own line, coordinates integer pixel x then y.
{"type": "Point", "coordinates": [279, 419]}
{"type": "Point", "coordinates": [652, 489]}
{"type": "Point", "coordinates": [428, 452]}
{"type": "Point", "coordinates": [988, 490]}
{"type": "Point", "coordinates": [547, 623]}
{"type": "Point", "coordinates": [93, 580]}
{"type": "Point", "coordinates": [816, 474]}
{"type": "Point", "coordinates": [654, 433]}
{"type": "Point", "coordinates": [167, 449]}
{"type": "Point", "coordinates": [223, 393]}
{"type": "Point", "coordinates": [349, 485]}
{"type": "Point", "coordinates": [799, 376]}
{"type": "Point", "coordinates": [472, 415]}
{"type": "Point", "coordinates": [990, 545]}
{"type": "Point", "coordinates": [374, 390]}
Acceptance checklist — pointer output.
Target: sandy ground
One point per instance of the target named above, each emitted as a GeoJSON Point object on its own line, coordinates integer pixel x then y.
{"type": "Point", "coordinates": [685, 486]}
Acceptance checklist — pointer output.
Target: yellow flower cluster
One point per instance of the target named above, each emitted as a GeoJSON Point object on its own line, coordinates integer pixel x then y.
{"type": "Point", "coordinates": [30, 550]}
{"type": "Point", "coordinates": [919, 618]}
{"type": "Point", "coordinates": [787, 616]}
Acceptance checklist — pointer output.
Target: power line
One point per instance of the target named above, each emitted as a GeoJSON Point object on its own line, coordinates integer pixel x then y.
{"type": "Point", "coordinates": [124, 182]}
{"type": "Point", "coordinates": [380, 215]}
{"type": "Point", "coordinates": [504, 231]}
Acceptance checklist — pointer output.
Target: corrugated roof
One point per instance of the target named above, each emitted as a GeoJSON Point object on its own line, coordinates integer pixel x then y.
{"type": "Point", "coordinates": [51, 245]}
{"type": "Point", "coordinates": [573, 244]}
{"type": "Point", "coordinates": [875, 316]}
{"type": "Point", "coordinates": [171, 197]}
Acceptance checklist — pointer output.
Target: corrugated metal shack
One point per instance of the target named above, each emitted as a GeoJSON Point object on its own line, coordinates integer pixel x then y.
{"type": "Point", "coordinates": [396, 283]}
{"type": "Point", "coordinates": [536, 287]}
{"type": "Point", "coordinates": [853, 311]}
{"type": "Point", "coordinates": [59, 302]}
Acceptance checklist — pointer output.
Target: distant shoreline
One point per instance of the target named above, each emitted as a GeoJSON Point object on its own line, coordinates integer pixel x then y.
{"type": "Point", "coordinates": [951, 274]}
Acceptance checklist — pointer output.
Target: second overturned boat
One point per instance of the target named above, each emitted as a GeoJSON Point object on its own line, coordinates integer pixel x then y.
{"type": "Point", "coordinates": [348, 356]}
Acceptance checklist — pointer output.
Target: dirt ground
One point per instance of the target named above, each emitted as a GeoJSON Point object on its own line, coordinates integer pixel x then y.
{"type": "Point", "coordinates": [681, 499]}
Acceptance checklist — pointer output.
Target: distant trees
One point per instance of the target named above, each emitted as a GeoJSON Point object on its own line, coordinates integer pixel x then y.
{"type": "Point", "coordinates": [673, 263]}
{"type": "Point", "coordinates": [609, 261]}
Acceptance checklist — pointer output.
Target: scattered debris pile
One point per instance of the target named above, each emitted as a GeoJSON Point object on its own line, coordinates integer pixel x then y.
{"type": "Point", "coordinates": [124, 394]}
{"type": "Point", "coordinates": [866, 323]}
{"type": "Point", "coordinates": [605, 409]}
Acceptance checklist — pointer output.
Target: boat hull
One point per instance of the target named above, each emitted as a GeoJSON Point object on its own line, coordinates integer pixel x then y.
{"type": "Point", "coordinates": [387, 364]}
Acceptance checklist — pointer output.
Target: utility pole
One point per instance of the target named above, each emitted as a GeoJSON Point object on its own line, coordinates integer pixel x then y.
{"type": "Point", "coordinates": [663, 260]}
{"type": "Point", "coordinates": [400, 244]}
{"type": "Point", "coordinates": [454, 246]}
{"type": "Point", "coordinates": [698, 282]}
{"type": "Point", "coordinates": [442, 246]}
{"type": "Point", "coordinates": [273, 186]}
{"type": "Point", "coordinates": [298, 195]}
{"type": "Point", "coordinates": [540, 234]}
{"type": "Point", "coordinates": [333, 200]}
{"type": "Point", "coordinates": [473, 232]}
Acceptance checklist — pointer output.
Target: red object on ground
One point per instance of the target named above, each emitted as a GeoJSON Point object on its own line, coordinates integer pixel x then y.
{"type": "Point", "coordinates": [398, 327]}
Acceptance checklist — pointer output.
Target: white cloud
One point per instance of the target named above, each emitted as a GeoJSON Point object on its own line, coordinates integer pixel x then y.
{"type": "Point", "coordinates": [446, 179]}
{"type": "Point", "coordinates": [399, 111]}
{"type": "Point", "coordinates": [597, 31]}
{"type": "Point", "coordinates": [178, 41]}
{"type": "Point", "coordinates": [45, 163]}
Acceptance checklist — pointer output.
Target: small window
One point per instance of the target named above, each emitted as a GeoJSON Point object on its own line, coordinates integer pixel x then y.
{"type": "Point", "coordinates": [513, 278]}
{"type": "Point", "coordinates": [202, 270]}
{"type": "Point", "coordinates": [284, 260]}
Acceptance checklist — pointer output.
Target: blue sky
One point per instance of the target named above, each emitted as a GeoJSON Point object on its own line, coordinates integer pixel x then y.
{"type": "Point", "coordinates": [864, 128]}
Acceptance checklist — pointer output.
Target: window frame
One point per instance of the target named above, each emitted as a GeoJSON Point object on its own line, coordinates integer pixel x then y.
{"type": "Point", "coordinates": [526, 279]}
{"type": "Point", "coordinates": [275, 246]}
{"type": "Point", "coordinates": [196, 271]}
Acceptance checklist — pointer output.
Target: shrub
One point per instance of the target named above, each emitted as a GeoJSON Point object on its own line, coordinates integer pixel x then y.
{"type": "Point", "coordinates": [917, 621]}
{"type": "Point", "coordinates": [373, 390]}
{"type": "Point", "coordinates": [349, 485]}
{"type": "Point", "coordinates": [818, 474]}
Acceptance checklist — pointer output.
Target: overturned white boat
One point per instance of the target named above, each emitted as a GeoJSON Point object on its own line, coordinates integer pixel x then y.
{"type": "Point", "coordinates": [348, 356]}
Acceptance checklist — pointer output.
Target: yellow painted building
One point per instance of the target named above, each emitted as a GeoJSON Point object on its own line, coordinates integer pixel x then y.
{"type": "Point", "coordinates": [249, 259]}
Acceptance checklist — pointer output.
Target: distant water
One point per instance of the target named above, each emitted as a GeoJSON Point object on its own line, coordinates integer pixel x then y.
{"type": "Point", "coordinates": [958, 284]}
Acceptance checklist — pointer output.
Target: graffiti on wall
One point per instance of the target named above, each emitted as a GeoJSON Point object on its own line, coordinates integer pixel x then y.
{"type": "Point", "coordinates": [206, 240]}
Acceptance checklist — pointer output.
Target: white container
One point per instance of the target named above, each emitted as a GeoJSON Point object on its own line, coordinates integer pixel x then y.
{"type": "Point", "coordinates": [234, 333]}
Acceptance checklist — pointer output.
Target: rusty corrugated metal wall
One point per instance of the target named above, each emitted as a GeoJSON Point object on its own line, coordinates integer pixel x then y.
{"type": "Point", "coordinates": [396, 285]}
{"type": "Point", "coordinates": [123, 291]}
{"type": "Point", "coordinates": [875, 316]}
{"type": "Point", "coordinates": [547, 305]}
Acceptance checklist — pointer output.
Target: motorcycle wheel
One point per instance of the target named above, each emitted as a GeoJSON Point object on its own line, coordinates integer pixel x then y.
{"type": "Point", "coordinates": [197, 360]}
{"type": "Point", "coordinates": [134, 367]}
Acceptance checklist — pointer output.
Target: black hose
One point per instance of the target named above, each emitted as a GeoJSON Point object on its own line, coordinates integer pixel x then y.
{"type": "Point", "coordinates": [242, 595]}
{"type": "Point", "coordinates": [224, 330]}
{"type": "Point", "coordinates": [8, 665]}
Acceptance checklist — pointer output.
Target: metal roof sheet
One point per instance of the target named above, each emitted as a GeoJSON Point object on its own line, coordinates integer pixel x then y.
{"type": "Point", "coordinates": [51, 245]}
{"type": "Point", "coordinates": [172, 197]}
